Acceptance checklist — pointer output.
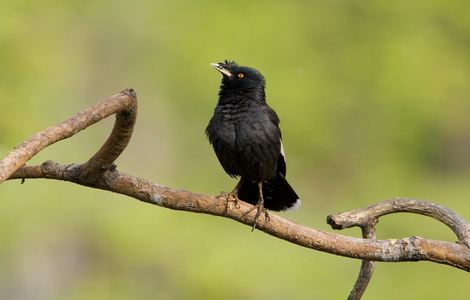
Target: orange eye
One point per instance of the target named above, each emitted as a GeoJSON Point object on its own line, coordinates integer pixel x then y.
{"type": "Point", "coordinates": [240, 75]}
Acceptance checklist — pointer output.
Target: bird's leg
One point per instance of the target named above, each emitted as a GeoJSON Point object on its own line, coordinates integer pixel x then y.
{"type": "Point", "coordinates": [259, 206]}
{"type": "Point", "coordinates": [233, 195]}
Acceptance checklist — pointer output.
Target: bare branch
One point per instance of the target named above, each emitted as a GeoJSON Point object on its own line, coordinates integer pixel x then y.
{"type": "Point", "coordinates": [116, 142]}
{"type": "Point", "coordinates": [367, 267]}
{"type": "Point", "coordinates": [98, 172]}
{"type": "Point", "coordinates": [367, 218]}
{"type": "Point", "coordinates": [30, 147]}
{"type": "Point", "coordinates": [407, 249]}
{"type": "Point", "coordinates": [362, 216]}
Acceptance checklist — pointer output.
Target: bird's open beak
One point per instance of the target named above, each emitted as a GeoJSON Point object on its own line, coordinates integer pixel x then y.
{"type": "Point", "coordinates": [221, 69]}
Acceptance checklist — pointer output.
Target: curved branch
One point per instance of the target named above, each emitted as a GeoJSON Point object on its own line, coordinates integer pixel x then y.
{"type": "Point", "coordinates": [368, 217]}
{"type": "Point", "coordinates": [116, 142]}
{"type": "Point", "coordinates": [30, 147]}
{"type": "Point", "coordinates": [367, 266]}
{"type": "Point", "coordinates": [362, 216]}
{"type": "Point", "coordinates": [406, 249]}
{"type": "Point", "coordinates": [98, 172]}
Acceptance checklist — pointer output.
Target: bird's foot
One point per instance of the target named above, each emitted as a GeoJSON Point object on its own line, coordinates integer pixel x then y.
{"type": "Point", "coordinates": [229, 198]}
{"type": "Point", "coordinates": [259, 210]}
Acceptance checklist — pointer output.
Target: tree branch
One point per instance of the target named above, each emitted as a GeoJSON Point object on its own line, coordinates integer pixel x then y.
{"type": "Point", "coordinates": [99, 173]}
{"type": "Point", "coordinates": [363, 216]}
{"type": "Point", "coordinates": [407, 249]}
{"type": "Point", "coordinates": [367, 266]}
{"type": "Point", "coordinates": [368, 217]}
{"type": "Point", "coordinates": [116, 142]}
{"type": "Point", "coordinates": [30, 147]}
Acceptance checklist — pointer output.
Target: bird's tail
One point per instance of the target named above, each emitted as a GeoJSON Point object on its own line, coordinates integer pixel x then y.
{"type": "Point", "coordinates": [278, 194]}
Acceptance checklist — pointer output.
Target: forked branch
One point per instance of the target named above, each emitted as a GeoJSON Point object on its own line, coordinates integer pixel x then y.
{"type": "Point", "coordinates": [99, 172]}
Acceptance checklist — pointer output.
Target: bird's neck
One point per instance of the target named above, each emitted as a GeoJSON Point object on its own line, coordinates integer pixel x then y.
{"type": "Point", "coordinates": [230, 96]}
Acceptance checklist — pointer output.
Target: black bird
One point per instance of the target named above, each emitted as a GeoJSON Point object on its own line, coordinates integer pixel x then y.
{"type": "Point", "coordinates": [245, 134]}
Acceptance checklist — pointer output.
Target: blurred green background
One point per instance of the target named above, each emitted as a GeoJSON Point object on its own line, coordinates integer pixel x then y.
{"type": "Point", "coordinates": [374, 102]}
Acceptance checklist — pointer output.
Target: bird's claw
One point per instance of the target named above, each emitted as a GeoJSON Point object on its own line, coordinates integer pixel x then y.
{"type": "Point", "coordinates": [232, 197]}
{"type": "Point", "coordinates": [259, 210]}
{"type": "Point", "coordinates": [229, 198]}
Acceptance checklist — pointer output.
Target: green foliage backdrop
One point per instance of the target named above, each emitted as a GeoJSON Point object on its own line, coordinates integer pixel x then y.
{"type": "Point", "coordinates": [374, 102]}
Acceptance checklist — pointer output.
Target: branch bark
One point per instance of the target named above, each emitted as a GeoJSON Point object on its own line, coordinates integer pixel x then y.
{"type": "Point", "coordinates": [31, 146]}
{"type": "Point", "coordinates": [367, 266]}
{"type": "Point", "coordinates": [394, 250]}
{"type": "Point", "coordinates": [99, 172]}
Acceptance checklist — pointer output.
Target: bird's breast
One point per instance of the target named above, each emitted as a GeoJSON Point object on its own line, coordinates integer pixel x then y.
{"type": "Point", "coordinates": [246, 139]}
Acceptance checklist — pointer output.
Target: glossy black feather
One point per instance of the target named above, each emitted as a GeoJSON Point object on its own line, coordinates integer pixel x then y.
{"type": "Point", "coordinates": [246, 138]}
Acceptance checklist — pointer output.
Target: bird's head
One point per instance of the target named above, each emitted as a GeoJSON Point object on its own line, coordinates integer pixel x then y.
{"type": "Point", "coordinates": [239, 77]}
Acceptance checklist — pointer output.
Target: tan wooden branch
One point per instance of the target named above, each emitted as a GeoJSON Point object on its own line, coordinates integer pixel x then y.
{"type": "Point", "coordinates": [99, 172]}
{"type": "Point", "coordinates": [367, 266]}
{"type": "Point", "coordinates": [367, 218]}
{"type": "Point", "coordinates": [126, 100]}
{"type": "Point", "coordinates": [363, 216]}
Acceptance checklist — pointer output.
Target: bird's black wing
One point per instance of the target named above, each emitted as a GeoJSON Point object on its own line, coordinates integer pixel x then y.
{"type": "Point", "coordinates": [222, 137]}
{"type": "Point", "coordinates": [281, 163]}
{"type": "Point", "coordinates": [274, 119]}
{"type": "Point", "coordinates": [258, 142]}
